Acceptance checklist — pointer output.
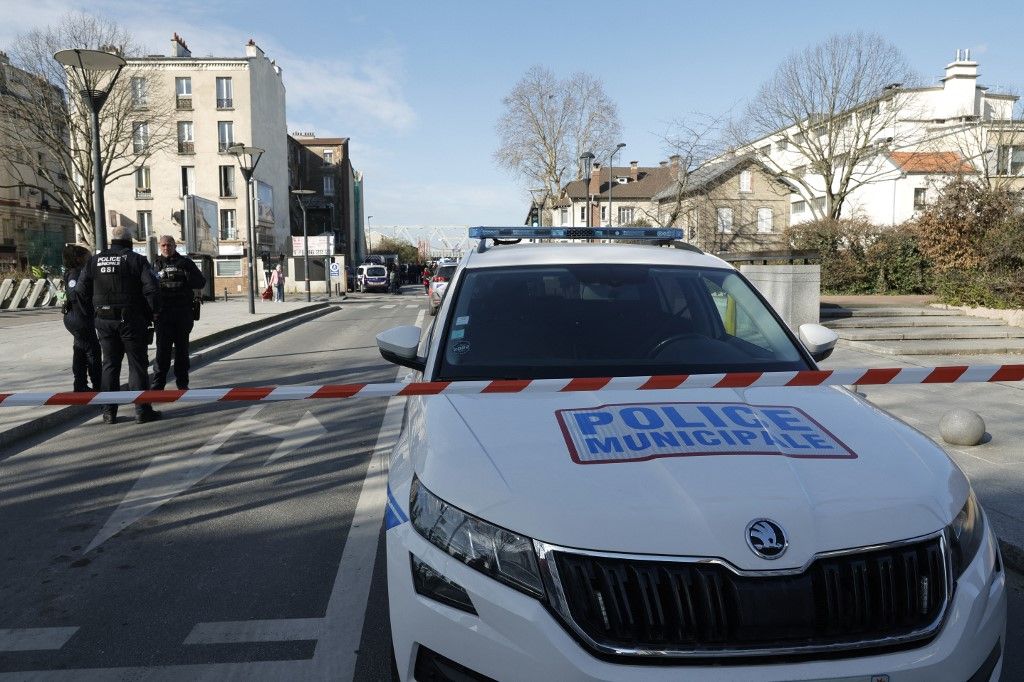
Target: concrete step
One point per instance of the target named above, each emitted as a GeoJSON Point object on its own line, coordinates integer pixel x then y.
{"type": "Point", "coordinates": [940, 347]}
{"type": "Point", "coordinates": [931, 333]}
{"type": "Point", "coordinates": [829, 313]}
{"type": "Point", "coordinates": [921, 321]}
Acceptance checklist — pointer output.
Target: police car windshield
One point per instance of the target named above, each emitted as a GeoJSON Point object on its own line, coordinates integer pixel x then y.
{"type": "Point", "coordinates": [378, 271]}
{"type": "Point", "coordinates": [558, 321]}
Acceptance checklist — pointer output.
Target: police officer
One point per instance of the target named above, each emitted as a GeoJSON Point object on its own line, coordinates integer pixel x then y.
{"type": "Point", "coordinates": [179, 277]}
{"type": "Point", "coordinates": [125, 296]}
{"type": "Point", "coordinates": [86, 359]}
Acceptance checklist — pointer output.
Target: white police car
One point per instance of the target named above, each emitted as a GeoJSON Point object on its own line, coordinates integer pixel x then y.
{"type": "Point", "coordinates": [791, 533]}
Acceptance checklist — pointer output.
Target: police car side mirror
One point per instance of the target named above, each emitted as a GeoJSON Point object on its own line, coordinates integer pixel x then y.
{"type": "Point", "coordinates": [818, 340]}
{"type": "Point", "coordinates": [398, 345]}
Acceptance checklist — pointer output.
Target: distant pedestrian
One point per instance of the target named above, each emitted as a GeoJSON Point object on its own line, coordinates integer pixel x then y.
{"type": "Point", "coordinates": [179, 278]}
{"type": "Point", "coordinates": [86, 358]}
{"type": "Point", "coordinates": [425, 275]}
{"type": "Point", "coordinates": [125, 296]}
{"type": "Point", "coordinates": [277, 278]}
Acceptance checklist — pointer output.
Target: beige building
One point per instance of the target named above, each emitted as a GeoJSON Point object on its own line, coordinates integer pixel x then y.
{"type": "Point", "coordinates": [34, 227]}
{"type": "Point", "coordinates": [218, 102]}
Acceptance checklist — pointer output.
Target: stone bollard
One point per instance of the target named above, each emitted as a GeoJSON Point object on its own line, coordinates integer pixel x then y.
{"type": "Point", "coordinates": [962, 427]}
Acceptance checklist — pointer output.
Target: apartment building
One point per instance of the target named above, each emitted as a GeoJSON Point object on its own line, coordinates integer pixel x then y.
{"type": "Point", "coordinates": [930, 135]}
{"type": "Point", "coordinates": [628, 190]}
{"type": "Point", "coordinates": [218, 102]}
{"type": "Point", "coordinates": [34, 227]}
{"type": "Point", "coordinates": [324, 165]}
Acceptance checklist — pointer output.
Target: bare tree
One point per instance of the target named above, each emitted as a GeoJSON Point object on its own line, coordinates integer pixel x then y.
{"type": "Point", "coordinates": [44, 128]}
{"type": "Point", "coordinates": [835, 105]}
{"type": "Point", "coordinates": [549, 122]}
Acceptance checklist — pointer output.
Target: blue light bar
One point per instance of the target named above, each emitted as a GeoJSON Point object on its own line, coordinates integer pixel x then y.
{"type": "Point", "coordinates": [659, 233]}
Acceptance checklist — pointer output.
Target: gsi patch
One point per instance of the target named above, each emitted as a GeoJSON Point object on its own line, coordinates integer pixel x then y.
{"type": "Point", "coordinates": [637, 432]}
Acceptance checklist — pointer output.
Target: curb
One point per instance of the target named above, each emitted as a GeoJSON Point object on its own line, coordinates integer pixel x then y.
{"type": "Point", "coordinates": [204, 350]}
{"type": "Point", "coordinates": [1013, 555]}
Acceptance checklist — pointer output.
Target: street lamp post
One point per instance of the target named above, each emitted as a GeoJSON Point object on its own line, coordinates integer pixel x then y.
{"type": "Point", "coordinates": [299, 193]}
{"type": "Point", "coordinates": [611, 178]}
{"type": "Point", "coordinates": [541, 192]}
{"type": "Point", "coordinates": [587, 158]}
{"type": "Point", "coordinates": [248, 159]}
{"type": "Point", "coordinates": [91, 67]}
{"type": "Point", "coordinates": [366, 237]}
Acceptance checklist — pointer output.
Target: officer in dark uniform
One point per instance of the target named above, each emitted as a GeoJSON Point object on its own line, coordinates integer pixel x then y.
{"type": "Point", "coordinates": [86, 359]}
{"type": "Point", "coordinates": [125, 296]}
{"type": "Point", "coordinates": [179, 277]}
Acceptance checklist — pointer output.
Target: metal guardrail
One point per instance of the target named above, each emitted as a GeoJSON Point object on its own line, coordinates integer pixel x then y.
{"type": "Point", "coordinates": [26, 293]}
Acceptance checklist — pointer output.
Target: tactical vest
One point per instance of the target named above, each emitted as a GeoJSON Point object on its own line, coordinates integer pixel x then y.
{"type": "Point", "coordinates": [112, 287]}
{"type": "Point", "coordinates": [174, 287]}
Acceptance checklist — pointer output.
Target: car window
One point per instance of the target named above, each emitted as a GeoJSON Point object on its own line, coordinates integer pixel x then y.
{"type": "Point", "coordinates": [376, 271]}
{"type": "Point", "coordinates": [445, 271]}
{"type": "Point", "coordinates": [609, 320]}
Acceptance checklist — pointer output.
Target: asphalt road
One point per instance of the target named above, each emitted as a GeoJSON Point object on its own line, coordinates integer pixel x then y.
{"type": "Point", "coordinates": [226, 541]}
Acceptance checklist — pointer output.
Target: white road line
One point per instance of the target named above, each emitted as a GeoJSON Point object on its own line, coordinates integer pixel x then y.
{"type": "Point", "coordinates": [388, 307]}
{"type": "Point", "coordinates": [35, 639]}
{"type": "Point", "coordinates": [412, 305]}
{"type": "Point", "coordinates": [233, 632]}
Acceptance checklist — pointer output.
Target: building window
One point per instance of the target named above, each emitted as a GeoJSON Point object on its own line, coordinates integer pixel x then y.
{"type": "Point", "coordinates": [188, 180]}
{"type": "Point", "coordinates": [604, 213]}
{"type": "Point", "coordinates": [144, 219]}
{"type": "Point", "coordinates": [745, 181]}
{"type": "Point", "coordinates": [225, 98]}
{"type": "Point", "coordinates": [143, 190]}
{"type": "Point", "coordinates": [725, 220]}
{"type": "Point", "coordinates": [140, 137]}
{"type": "Point", "coordinates": [625, 215]}
{"type": "Point", "coordinates": [765, 220]}
{"type": "Point", "coordinates": [328, 157]}
{"type": "Point", "coordinates": [781, 145]}
{"type": "Point", "coordinates": [228, 267]}
{"type": "Point", "coordinates": [563, 216]}
{"type": "Point", "coordinates": [920, 198]}
{"type": "Point", "coordinates": [225, 135]}
{"type": "Point", "coordinates": [186, 141]}
{"type": "Point", "coordinates": [328, 185]}
{"type": "Point", "coordinates": [818, 203]}
{"type": "Point", "coordinates": [800, 171]}
{"type": "Point", "coordinates": [227, 181]}
{"type": "Point", "coordinates": [692, 221]}
{"type": "Point", "coordinates": [139, 92]}
{"type": "Point", "coordinates": [1010, 160]}
{"type": "Point", "coordinates": [183, 93]}
{"type": "Point", "coordinates": [228, 227]}
{"type": "Point", "coordinates": [798, 207]}
{"type": "Point", "coordinates": [765, 150]}
{"type": "Point", "coordinates": [583, 214]}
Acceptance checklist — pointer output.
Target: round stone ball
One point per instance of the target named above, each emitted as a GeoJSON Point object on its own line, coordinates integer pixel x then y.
{"type": "Point", "coordinates": [962, 427]}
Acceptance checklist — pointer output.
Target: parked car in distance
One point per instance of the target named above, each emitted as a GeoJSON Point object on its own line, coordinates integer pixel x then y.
{"type": "Point", "coordinates": [438, 283]}
{"type": "Point", "coordinates": [371, 277]}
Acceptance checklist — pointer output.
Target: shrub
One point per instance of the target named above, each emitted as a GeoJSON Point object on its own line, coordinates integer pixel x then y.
{"type": "Point", "coordinates": [979, 287]}
{"type": "Point", "coordinates": [843, 247]}
{"type": "Point", "coordinates": [896, 264]}
{"type": "Point", "coordinates": [954, 232]}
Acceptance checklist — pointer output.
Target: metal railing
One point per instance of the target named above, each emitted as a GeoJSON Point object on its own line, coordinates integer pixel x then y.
{"type": "Point", "coordinates": [225, 103]}
{"type": "Point", "coordinates": [143, 193]}
{"type": "Point", "coordinates": [184, 103]}
{"type": "Point", "coordinates": [186, 147]}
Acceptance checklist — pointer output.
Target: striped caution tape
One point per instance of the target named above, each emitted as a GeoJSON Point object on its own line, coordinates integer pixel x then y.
{"type": "Point", "coordinates": [954, 374]}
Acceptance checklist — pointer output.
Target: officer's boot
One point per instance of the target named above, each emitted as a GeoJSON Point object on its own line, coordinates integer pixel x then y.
{"type": "Point", "coordinates": [110, 414]}
{"type": "Point", "coordinates": [145, 413]}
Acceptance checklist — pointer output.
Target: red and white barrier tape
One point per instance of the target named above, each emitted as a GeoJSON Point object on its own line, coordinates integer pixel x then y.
{"type": "Point", "coordinates": [955, 374]}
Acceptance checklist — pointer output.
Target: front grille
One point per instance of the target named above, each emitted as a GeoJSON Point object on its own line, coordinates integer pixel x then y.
{"type": "Point", "coordinates": [635, 606]}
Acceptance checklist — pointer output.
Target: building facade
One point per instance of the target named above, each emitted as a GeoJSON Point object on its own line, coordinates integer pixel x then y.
{"type": "Point", "coordinates": [34, 227]}
{"type": "Point", "coordinates": [931, 134]}
{"type": "Point", "coordinates": [323, 165]}
{"type": "Point", "coordinates": [218, 102]}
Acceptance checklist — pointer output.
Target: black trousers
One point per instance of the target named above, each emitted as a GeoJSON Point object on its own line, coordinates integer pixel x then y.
{"type": "Point", "coordinates": [86, 361]}
{"type": "Point", "coordinates": [172, 330]}
{"type": "Point", "coordinates": [119, 339]}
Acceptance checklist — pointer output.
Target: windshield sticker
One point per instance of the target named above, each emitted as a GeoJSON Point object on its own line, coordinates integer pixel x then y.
{"type": "Point", "coordinates": [458, 334]}
{"type": "Point", "coordinates": [644, 431]}
{"type": "Point", "coordinates": [459, 321]}
{"type": "Point", "coordinates": [462, 347]}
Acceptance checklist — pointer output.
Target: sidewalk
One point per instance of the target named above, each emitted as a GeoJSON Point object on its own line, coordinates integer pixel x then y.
{"type": "Point", "coordinates": [37, 352]}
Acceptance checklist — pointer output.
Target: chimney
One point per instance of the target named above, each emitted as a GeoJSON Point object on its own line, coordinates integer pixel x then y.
{"type": "Point", "coordinates": [674, 161]}
{"type": "Point", "coordinates": [633, 170]}
{"type": "Point", "coordinates": [960, 96]}
{"type": "Point", "coordinates": [252, 49]}
{"type": "Point", "coordinates": [179, 48]}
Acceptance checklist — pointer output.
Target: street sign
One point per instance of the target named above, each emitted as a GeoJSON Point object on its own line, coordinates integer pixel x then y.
{"type": "Point", "coordinates": [335, 271]}
{"type": "Point", "coordinates": [320, 245]}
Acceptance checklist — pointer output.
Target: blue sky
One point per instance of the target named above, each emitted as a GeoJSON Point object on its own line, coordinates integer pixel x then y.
{"type": "Point", "coordinates": [417, 86]}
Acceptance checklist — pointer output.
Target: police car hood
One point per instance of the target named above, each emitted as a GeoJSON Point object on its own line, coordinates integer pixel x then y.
{"type": "Point", "coordinates": [685, 472]}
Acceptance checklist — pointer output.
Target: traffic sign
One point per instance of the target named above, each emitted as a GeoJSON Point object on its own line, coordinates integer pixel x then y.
{"type": "Point", "coordinates": [335, 271]}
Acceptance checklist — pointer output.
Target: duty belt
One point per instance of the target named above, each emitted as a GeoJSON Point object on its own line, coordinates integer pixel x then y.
{"type": "Point", "coordinates": [111, 312]}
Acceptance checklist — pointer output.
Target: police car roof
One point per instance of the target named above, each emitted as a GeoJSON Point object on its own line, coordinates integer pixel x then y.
{"type": "Point", "coordinates": [551, 253]}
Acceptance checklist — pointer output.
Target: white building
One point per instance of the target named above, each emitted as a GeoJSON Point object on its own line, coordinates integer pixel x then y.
{"type": "Point", "coordinates": [218, 102]}
{"type": "Point", "coordinates": [934, 133]}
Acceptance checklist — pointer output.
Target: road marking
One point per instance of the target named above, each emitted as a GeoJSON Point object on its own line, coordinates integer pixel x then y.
{"type": "Point", "coordinates": [412, 305]}
{"type": "Point", "coordinates": [233, 632]}
{"type": "Point", "coordinates": [35, 639]}
{"type": "Point", "coordinates": [169, 475]}
{"type": "Point", "coordinates": [388, 307]}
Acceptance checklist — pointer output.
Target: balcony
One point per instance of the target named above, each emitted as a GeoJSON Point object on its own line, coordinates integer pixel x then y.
{"type": "Point", "coordinates": [141, 193]}
{"type": "Point", "coordinates": [226, 103]}
{"type": "Point", "coordinates": [138, 103]}
{"type": "Point", "coordinates": [186, 147]}
{"type": "Point", "coordinates": [184, 102]}
{"type": "Point", "coordinates": [225, 147]}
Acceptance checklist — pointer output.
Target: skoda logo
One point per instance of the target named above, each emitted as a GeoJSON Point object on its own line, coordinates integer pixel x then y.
{"type": "Point", "coordinates": [766, 539]}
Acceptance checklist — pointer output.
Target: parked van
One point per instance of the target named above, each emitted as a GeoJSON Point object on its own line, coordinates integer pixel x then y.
{"type": "Point", "coordinates": [371, 277]}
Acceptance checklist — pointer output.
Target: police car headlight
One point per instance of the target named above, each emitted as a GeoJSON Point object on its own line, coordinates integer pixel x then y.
{"type": "Point", "coordinates": [505, 556]}
{"type": "Point", "coordinates": [966, 533]}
